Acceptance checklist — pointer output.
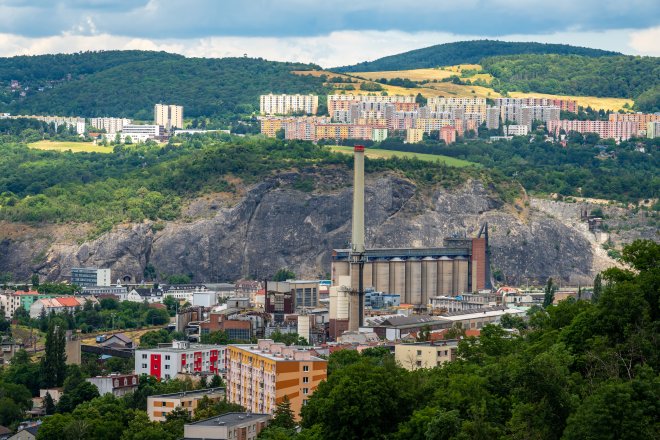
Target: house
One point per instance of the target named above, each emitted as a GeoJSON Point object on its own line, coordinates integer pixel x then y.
{"type": "Point", "coordinates": [118, 341]}
{"type": "Point", "coordinates": [29, 433]}
{"type": "Point", "coordinates": [228, 426]}
{"type": "Point", "coordinates": [5, 433]}
{"type": "Point", "coordinates": [57, 305]}
{"type": "Point", "coordinates": [115, 384]}
{"type": "Point", "coordinates": [148, 294]}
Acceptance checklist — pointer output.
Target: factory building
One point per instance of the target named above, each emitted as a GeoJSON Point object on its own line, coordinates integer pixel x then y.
{"type": "Point", "coordinates": [416, 274]}
{"type": "Point", "coordinates": [420, 274]}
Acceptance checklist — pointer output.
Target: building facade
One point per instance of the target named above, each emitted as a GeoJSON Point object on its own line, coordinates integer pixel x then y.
{"type": "Point", "coordinates": [110, 125]}
{"type": "Point", "coordinates": [169, 116]}
{"type": "Point", "coordinates": [425, 354]}
{"type": "Point", "coordinates": [260, 375]}
{"type": "Point", "coordinates": [288, 104]}
{"type": "Point", "coordinates": [619, 131]}
{"type": "Point", "coordinates": [182, 357]}
{"type": "Point", "coordinates": [90, 276]}
{"type": "Point", "coordinates": [116, 384]}
{"type": "Point", "coordinates": [160, 405]}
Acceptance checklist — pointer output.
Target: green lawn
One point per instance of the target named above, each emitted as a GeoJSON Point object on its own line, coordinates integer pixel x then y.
{"type": "Point", "coordinates": [386, 154]}
{"type": "Point", "coordinates": [76, 147]}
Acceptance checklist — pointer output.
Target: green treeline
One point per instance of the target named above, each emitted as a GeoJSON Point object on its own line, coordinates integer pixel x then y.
{"type": "Point", "coordinates": [576, 170]}
{"type": "Point", "coordinates": [128, 84]}
{"type": "Point", "coordinates": [147, 181]}
{"type": "Point", "coordinates": [465, 52]}
{"type": "Point", "coordinates": [612, 76]}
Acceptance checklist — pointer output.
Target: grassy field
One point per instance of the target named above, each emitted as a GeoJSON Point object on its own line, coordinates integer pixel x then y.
{"type": "Point", "coordinates": [386, 154]}
{"type": "Point", "coordinates": [76, 147]}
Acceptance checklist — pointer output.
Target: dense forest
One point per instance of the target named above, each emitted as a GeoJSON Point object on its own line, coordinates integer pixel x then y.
{"type": "Point", "coordinates": [466, 52]}
{"type": "Point", "coordinates": [615, 76]}
{"type": "Point", "coordinates": [128, 84]}
{"type": "Point", "coordinates": [626, 175]}
{"type": "Point", "coordinates": [134, 182]}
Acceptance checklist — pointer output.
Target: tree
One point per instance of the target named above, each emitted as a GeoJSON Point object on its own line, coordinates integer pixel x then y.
{"type": "Point", "coordinates": [283, 416]}
{"type": "Point", "coordinates": [54, 427]}
{"type": "Point", "coordinates": [152, 338]}
{"type": "Point", "coordinates": [283, 275]}
{"type": "Point", "coordinates": [598, 288]}
{"type": "Point", "coordinates": [49, 404]}
{"type": "Point", "coordinates": [216, 382]}
{"type": "Point", "coordinates": [217, 337]}
{"type": "Point", "coordinates": [35, 280]}
{"type": "Point", "coordinates": [174, 421]}
{"type": "Point", "coordinates": [549, 293]}
{"type": "Point", "coordinates": [424, 334]}
{"type": "Point", "coordinates": [54, 360]}
{"type": "Point", "coordinates": [141, 428]}
{"type": "Point", "coordinates": [10, 412]}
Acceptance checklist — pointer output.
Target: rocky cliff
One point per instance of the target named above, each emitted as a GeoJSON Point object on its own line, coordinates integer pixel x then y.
{"type": "Point", "coordinates": [274, 225]}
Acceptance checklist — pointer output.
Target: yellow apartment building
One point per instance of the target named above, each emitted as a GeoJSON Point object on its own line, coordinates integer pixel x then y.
{"type": "Point", "coordinates": [160, 405]}
{"type": "Point", "coordinates": [260, 375]}
{"type": "Point", "coordinates": [425, 354]}
{"type": "Point", "coordinates": [414, 135]}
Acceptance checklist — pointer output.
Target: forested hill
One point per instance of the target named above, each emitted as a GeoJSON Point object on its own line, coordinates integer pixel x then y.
{"type": "Point", "coordinates": [463, 52]}
{"type": "Point", "coordinates": [129, 83]}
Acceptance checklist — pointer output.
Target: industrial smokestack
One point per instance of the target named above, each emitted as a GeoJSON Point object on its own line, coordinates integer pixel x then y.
{"type": "Point", "coordinates": [357, 238]}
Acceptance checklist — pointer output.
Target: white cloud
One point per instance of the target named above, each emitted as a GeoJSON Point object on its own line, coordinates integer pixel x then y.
{"type": "Point", "coordinates": [335, 49]}
{"type": "Point", "coordinates": [646, 42]}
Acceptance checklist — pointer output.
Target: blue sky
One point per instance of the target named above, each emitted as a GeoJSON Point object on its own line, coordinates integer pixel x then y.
{"type": "Point", "coordinates": [326, 32]}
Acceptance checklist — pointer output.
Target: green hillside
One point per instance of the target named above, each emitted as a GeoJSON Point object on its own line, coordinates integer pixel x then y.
{"type": "Point", "coordinates": [466, 52]}
{"type": "Point", "coordinates": [128, 84]}
{"type": "Point", "coordinates": [617, 76]}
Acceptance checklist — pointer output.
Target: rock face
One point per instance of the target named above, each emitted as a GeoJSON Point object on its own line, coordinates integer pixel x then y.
{"type": "Point", "coordinates": [275, 226]}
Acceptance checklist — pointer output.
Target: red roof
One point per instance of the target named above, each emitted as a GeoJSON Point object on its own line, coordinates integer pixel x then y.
{"type": "Point", "coordinates": [68, 301]}
{"type": "Point", "coordinates": [29, 292]}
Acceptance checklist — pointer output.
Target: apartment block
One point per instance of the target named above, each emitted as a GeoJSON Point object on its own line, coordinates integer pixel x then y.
{"type": "Point", "coordinates": [110, 125]}
{"type": "Point", "coordinates": [70, 122]}
{"type": "Point", "coordinates": [260, 375]}
{"type": "Point", "coordinates": [414, 135]}
{"type": "Point", "coordinates": [344, 102]}
{"type": "Point", "coordinates": [288, 104]}
{"type": "Point", "coordinates": [182, 357]}
{"type": "Point", "coordinates": [448, 134]}
{"type": "Point", "coordinates": [525, 115]}
{"type": "Point", "coordinates": [425, 354]}
{"type": "Point", "coordinates": [492, 118]}
{"type": "Point", "coordinates": [569, 105]}
{"type": "Point", "coordinates": [160, 405]}
{"type": "Point", "coordinates": [653, 130]}
{"type": "Point", "coordinates": [641, 119]}
{"type": "Point", "coordinates": [619, 131]}
{"type": "Point", "coordinates": [168, 115]}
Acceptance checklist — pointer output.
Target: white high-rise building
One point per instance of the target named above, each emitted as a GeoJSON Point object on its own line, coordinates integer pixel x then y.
{"type": "Point", "coordinates": [169, 116]}
{"type": "Point", "coordinates": [287, 104]}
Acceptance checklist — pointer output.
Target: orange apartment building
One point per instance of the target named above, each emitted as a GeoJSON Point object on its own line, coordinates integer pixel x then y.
{"type": "Point", "coordinates": [641, 119]}
{"type": "Point", "coordinates": [260, 375]}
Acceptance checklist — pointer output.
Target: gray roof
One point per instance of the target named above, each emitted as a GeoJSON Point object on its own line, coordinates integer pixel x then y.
{"type": "Point", "coordinates": [230, 419]}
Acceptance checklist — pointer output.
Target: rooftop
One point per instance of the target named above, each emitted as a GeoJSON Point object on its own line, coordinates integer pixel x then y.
{"type": "Point", "coordinates": [279, 352]}
{"type": "Point", "coordinates": [229, 419]}
{"type": "Point", "coordinates": [182, 349]}
{"type": "Point", "coordinates": [194, 393]}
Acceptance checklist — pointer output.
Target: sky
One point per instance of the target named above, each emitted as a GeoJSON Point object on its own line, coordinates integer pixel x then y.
{"type": "Point", "coordinates": [328, 33]}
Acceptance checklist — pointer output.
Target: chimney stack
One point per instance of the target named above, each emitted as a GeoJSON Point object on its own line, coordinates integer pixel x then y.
{"type": "Point", "coordinates": [357, 238]}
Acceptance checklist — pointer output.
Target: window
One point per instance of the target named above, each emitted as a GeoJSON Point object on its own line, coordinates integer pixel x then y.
{"type": "Point", "coordinates": [144, 365]}
{"type": "Point", "coordinates": [167, 357]}
{"type": "Point", "coordinates": [419, 352]}
{"type": "Point", "coordinates": [144, 356]}
{"type": "Point", "coordinates": [305, 368]}
{"type": "Point", "coordinates": [419, 363]}
{"type": "Point", "coordinates": [305, 379]}
{"type": "Point", "coordinates": [304, 402]}
{"type": "Point", "coordinates": [167, 367]}
{"type": "Point", "coordinates": [305, 390]}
